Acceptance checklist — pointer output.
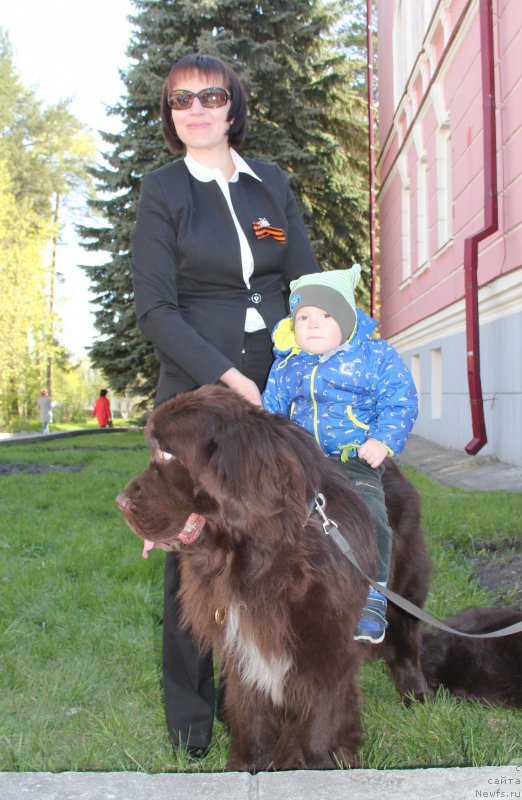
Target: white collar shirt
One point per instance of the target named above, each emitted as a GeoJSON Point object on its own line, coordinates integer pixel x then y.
{"type": "Point", "coordinates": [253, 319]}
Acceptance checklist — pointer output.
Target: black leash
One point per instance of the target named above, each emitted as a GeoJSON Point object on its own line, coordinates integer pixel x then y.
{"type": "Point", "coordinates": [332, 529]}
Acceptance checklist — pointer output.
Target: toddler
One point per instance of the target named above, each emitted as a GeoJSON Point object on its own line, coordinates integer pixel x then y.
{"type": "Point", "coordinates": [352, 392]}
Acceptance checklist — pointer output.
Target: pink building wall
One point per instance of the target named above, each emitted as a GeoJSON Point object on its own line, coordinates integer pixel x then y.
{"type": "Point", "coordinates": [441, 96]}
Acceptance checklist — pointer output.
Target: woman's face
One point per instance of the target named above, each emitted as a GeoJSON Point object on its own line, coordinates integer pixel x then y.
{"type": "Point", "coordinates": [200, 128]}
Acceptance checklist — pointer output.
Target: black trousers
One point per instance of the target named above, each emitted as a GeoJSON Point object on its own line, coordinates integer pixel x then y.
{"type": "Point", "coordinates": [188, 681]}
{"type": "Point", "coordinates": [368, 482]}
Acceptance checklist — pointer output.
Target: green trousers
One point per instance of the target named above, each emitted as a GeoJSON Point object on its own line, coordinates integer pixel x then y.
{"type": "Point", "coordinates": [368, 482]}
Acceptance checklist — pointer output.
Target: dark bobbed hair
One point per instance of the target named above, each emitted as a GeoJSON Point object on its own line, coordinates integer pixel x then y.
{"type": "Point", "coordinates": [103, 392]}
{"type": "Point", "coordinates": [209, 66]}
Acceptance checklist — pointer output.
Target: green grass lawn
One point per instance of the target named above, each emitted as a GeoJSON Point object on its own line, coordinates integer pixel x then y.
{"type": "Point", "coordinates": [81, 625]}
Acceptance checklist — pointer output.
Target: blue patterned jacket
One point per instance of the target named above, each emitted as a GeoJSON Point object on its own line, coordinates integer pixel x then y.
{"type": "Point", "coordinates": [361, 390]}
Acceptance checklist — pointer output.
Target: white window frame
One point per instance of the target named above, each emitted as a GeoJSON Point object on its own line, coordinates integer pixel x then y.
{"type": "Point", "coordinates": [405, 218]}
{"type": "Point", "coordinates": [436, 382]}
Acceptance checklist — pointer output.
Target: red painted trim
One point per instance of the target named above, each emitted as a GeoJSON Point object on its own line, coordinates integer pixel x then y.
{"type": "Point", "coordinates": [490, 226]}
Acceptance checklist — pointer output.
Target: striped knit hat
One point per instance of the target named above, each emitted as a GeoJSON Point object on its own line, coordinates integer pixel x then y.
{"type": "Point", "coordinates": [332, 291]}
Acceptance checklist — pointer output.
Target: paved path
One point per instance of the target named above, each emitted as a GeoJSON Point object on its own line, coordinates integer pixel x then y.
{"type": "Point", "coordinates": [30, 436]}
{"type": "Point", "coordinates": [457, 468]}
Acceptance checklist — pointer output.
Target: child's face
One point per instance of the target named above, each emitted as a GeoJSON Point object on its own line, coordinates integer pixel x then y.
{"type": "Point", "coordinates": [316, 331]}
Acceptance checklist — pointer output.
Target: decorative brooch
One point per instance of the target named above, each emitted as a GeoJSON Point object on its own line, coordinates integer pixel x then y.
{"type": "Point", "coordinates": [263, 228]}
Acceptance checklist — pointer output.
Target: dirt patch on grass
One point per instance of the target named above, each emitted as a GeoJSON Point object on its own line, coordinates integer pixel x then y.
{"type": "Point", "coordinates": [498, 567]}
{"type": "Point", "coordinates": [12, 467]}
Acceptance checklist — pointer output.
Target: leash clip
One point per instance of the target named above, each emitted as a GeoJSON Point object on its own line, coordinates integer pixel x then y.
{"type": "Point", "coordinates": [320, 505]}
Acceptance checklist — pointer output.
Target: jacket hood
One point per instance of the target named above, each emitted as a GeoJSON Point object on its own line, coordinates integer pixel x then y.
{"type": "Point", "coordinates": [284, 341]}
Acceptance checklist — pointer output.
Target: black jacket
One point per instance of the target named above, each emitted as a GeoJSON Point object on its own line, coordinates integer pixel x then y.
{"type": "Point", "coordinates": [190, 295]}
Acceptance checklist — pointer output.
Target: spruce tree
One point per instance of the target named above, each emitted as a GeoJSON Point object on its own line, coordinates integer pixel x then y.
{"type": "Point", "coordinates": [305, 113]}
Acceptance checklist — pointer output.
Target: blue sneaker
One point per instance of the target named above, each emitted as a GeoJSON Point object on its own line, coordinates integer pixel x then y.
{"type": "Point", "coordinates": [372, 624]}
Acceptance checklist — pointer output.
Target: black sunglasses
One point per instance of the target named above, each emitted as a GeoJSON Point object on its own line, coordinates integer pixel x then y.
{"type": "Point", "coordinates": [213, 97]}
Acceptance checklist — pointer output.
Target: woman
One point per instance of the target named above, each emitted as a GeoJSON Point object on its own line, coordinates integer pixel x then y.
{"type": "Point", "coordinates": [217, 240]}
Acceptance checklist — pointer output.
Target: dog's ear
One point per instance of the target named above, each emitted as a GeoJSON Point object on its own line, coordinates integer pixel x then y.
{"type": "Point", "coordinates": [247, 460]}
{"type": "Point", "coordinates": [177, 428]}
{"type": "Point", "coordinates": [247, 465]}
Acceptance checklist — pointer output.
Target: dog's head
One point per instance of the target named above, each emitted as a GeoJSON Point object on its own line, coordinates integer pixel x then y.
{"type": "Point", "coordinates": [220, 464]}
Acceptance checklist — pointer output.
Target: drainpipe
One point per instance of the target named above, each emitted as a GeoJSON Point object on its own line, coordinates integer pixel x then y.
{"type": "Point", "coordinates": [490, 226]}
{"type": "Point", "coordinates": [371, 159]}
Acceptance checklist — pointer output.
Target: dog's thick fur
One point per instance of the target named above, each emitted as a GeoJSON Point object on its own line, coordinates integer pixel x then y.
{"type": "Point", "coordinates": [263, 585]}
{"type": "Point", "coordinates": [489, 670]}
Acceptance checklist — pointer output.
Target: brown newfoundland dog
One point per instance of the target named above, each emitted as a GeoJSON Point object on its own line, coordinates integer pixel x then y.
{"type": "Point", "coordinates": [232, 487]}
{"type": "Point", "coordinates": [489, 670]}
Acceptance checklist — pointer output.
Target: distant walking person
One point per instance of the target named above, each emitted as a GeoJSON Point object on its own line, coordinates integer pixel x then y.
{"type": "Point", "coordinates": [44, 409]}
{"type": "Point", "coordinates": [102, 410]}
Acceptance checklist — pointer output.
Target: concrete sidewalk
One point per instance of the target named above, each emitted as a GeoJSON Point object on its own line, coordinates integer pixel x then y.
{"type": "Point", "coordinates": [30, 436]}
{"type": "Point", "coordinates": [457, 468]}
{"type": "Point", "coordinates": [428, 784]}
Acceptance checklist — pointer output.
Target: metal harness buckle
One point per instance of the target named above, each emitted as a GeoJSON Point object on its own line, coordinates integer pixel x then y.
{"type": "Point", "coordinates": [320, 505]}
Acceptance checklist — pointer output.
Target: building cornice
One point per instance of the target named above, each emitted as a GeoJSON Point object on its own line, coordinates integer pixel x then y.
{"type": "Point", "coordinates": [497, 300]}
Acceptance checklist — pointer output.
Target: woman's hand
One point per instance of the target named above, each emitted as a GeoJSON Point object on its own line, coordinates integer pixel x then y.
{"type": "Point", "coordinates": [373, 452]}
{"type": "Point", "coordinates": [235, 380]}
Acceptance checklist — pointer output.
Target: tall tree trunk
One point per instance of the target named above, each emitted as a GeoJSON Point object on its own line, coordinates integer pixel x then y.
{"type": "Point", "coordinates": [54, 253]}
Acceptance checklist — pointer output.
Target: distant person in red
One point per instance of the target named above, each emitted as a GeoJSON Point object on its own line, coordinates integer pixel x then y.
{"type": "Point", "coordinates": [102, 410]}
